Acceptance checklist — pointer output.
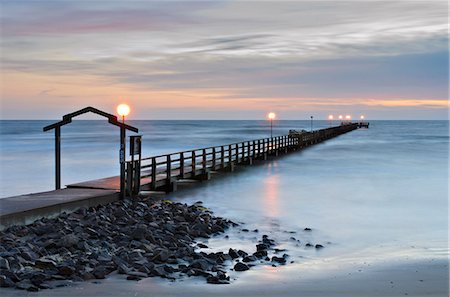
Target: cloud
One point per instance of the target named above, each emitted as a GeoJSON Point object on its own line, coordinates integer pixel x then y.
{"type": "Point", "coordinates": [240, 51]}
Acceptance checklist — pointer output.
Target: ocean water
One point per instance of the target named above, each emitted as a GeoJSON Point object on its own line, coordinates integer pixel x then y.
{"type": "Point", "coordinates": [370, 196]}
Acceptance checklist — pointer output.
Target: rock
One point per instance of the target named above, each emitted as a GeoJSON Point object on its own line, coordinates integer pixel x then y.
{"type": "Point", "coordinates": [249, 259]}
{"type": "Point", "coordinates": [24, 285]}
{"type": "Point", "coordinates": [45, 264]}
{"type": "Point", "coordinates": [6, 282]}
{"type": "Point", "coordinates": [233, 253]}
{"type": "Point", "coordinates": [260, 254]}
{"type": "Point", "coordinates": [319, 246]}
{"type": "Point", "coordinates": [66, 270]}
{"type": "Point", "coordinates": [122, 268]}
{"type": "Point", "coordinates": [216, 280]}
{"type": "Point", "coordinates": [139, 233]}
{"type": "Point", "coordinates": [202, 246]}
{"type": "Point", "coordinates": [100, 272]}
{"type": "Point", "coordinates": [4, 264]}
{"type": "Point", "coordinates": [307, 229]}
{"type": "Point", "coordinates": [280, 260]}
{"type": "Point", "coordinates": [308, 245]}
{"type": "Point", "coordinates": [242, 253]}
{"type": "Point", "coordinates": [38, 278]}
{"type": "Point", "coordinates": [69, 240]}
{"type": "Point", "coordinates": [262, 247]}
{"type": "Point", "coordinates": [240, 267]}
{"type": "Point", "coordinates": [200, 264]}
{"type": "Point", "coordinates": [244, 230]}
{"type": "Point", "coordinates": [133, 277]}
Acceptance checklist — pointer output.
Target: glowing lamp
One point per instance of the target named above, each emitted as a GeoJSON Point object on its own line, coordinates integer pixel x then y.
{"type": "Point", "coordinates": [340, 117]}
{"type": "Point", "coordinates": [362, 117]}
{"type": "Point", "coordinates": [123, 110]}
{"type": "Point", "coordinates": [271, 115]}
{"type": "Point", "coordinates": [330, 117]}
{"type": "Point", "coordinates": [347, 117]}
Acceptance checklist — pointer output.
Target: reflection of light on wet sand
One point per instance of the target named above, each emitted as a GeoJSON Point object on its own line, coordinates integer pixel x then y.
{"type": "Point", "coordinates": [271, 184]}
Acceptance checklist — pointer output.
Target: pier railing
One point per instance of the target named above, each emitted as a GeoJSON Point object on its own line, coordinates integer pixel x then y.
{"type": "Point", "coordinates": [162, 172]}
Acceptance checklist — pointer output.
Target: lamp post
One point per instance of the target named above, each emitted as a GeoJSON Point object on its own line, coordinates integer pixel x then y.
{"type": "Point", "coordinates": [312, 123]}
{"type": "Point", "coordinates": [330, 118]}
{"type": "Point", "coordinates": [348, 119]}
{"type": "Point", "coordinates": [362, 118]}
{"type": "Point", "coordinates": [271, 117]}
{"type": "Point", "coordinates": [123, 110]}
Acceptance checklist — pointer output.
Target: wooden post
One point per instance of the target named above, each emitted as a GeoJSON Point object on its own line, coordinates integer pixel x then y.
{"type": "Point", "coordinates": [168, 170]}
{"type": "Point", "coordinates": [230, 152]}
{"type": "Point", "coordinates": [122, 161]}
{"type": "Point", "coordinates": [193, 163]}
{"type": "Point", "coordinates": [213, 158]}
{"type": "Point", "coordinates": [271, 147]}
{"type": "Point", "coordinates": [204, 161]}
{"type": "Point", "coordinates": [58, 158]}
{"type": "Point", "coordinates": [153, 182]}
{"type": "Point", "coordinates": [182, 164]}
{"type": "Point", "coordinates": [129, 178]}
{"type": "Point", "coordinates": [237, 153]}
{"type": "Point", "coordinates": [222, 157]}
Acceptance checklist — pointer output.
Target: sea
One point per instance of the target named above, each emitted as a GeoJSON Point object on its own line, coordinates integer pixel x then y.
{"type": "Point", "coordinates": [370, 196]}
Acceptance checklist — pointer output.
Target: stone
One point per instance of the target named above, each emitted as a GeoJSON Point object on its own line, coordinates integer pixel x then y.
{"type": "Point", "coordinates": [66, 270]}
{"type": "Point", "coordinates": [100, 272]}
{"type": "Point", "coordinates": [6, 282]}
{"type": "Point", "coordinates": [133, 277]}
{"type": "Point", "coordinates": [260, 254]}
{"type": "Point", "coordinates": [307, 229]}
{"type": "Point", "coordinates": [233, 253]}
{"type": "Point", "coordinates": [280, 260]}
{"type": "Point", "coordinates": [318, 246]}
{"type": "Point", "coordinates": [239, 266]}
{"type": "Point", "coordinates": [45, 264]}
{"type": "Point", "coordinates": [38, 278]}
{"type": "Point", "coordinates": [216, 280]}
{"type": "Point", "coordinates": [200, 264]}
{"type": "Point", "coordinates": [68, 240]}
{"type": "Point", "coordinates": [249, 259]}
{"type": "Point", "coordinates": [202, 246]}
{"type": "Point", "coordinates": [24, 285]}
{"type": "Point", "coordinates": [262, 247]}
{"type": "Point", "coordinates": [4, 264]}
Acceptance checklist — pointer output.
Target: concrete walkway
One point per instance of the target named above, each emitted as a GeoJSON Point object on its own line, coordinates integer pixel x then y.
{"type": "Point", "coordinates": [25, 209]}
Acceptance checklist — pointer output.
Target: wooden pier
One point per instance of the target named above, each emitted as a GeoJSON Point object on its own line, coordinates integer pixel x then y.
{"type": "Point", "coordinates": [160, 173]}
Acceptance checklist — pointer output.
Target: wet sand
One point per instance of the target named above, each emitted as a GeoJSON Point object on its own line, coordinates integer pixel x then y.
{"type": "Point", "coordinates": [421, 278]}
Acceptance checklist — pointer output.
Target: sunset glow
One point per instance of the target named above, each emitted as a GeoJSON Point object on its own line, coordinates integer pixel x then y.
{"type": "Point", "coordinates": [176, 60]}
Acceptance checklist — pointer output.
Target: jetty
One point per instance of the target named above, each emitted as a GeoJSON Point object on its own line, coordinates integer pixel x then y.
{"type": "Point", "coordinates": [161, 173]}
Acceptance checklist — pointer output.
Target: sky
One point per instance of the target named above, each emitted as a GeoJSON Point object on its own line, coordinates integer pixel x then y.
{"type": "Point", "coordinates": [225, 59]}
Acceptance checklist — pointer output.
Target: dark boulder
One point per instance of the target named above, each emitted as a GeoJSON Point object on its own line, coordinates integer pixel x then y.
{"type": "Point", "coordinates": [240, 267]}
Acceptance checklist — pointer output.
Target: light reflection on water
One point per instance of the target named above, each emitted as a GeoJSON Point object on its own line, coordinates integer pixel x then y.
{"type": "Point", "coordinates": [271, 185]}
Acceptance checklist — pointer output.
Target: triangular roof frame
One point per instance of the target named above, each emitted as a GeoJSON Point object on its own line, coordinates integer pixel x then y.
{"type": "Point", "coordinates": [112, 119]}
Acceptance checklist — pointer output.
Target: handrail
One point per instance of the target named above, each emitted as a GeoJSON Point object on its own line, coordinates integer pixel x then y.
{"type": "Point", "coordinates": [197, 162]}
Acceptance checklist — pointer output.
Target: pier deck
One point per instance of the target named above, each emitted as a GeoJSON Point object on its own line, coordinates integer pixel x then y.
{"type": "Point", "coordinates": [158, 173]}
{"type": "Point", "coordinates": [24, 209]}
